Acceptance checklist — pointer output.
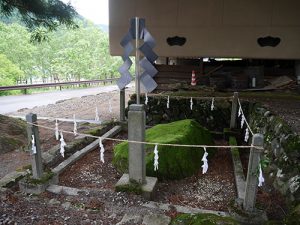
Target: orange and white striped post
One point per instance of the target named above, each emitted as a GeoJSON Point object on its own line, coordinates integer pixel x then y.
{"type": "Point", "coordinates": [193, 83]}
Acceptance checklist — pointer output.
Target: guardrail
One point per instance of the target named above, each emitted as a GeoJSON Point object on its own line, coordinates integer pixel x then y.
{"type": "Point", "coordinates": [60, 84]}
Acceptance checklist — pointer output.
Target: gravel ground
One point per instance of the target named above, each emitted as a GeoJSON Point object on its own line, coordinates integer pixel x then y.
{"type": "Point", "coordinates": [83, 108]}
{"type": "Point", "coordinates": [102, 205]}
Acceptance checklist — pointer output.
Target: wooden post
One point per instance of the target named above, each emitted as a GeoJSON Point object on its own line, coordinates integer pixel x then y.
{"type": "Point", "coordinates": [122, 105]}
{"type": "Point", "coordinates": [234, 109]}
{"type": "Point", "coordinates": [252, 176]}
{"type": "Point", "coordinates": [36, 159]}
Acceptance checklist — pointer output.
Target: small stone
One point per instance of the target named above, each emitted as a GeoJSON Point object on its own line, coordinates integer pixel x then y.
{"type": "Point", "coordinates": [267, 113]}
{"type": "Point", "coordinates": [54, 201]}
{"type": "Point", "coordinates": [66, 205]}
{"type": "Point", "coordinates": [156, 219]}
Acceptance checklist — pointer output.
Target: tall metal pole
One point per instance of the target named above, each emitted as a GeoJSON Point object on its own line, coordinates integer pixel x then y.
{"type": "Point", "coordinates": [137, 59]}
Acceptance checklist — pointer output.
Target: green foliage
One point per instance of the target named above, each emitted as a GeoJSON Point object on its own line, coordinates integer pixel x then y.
{"type": "Point", "coordinates": [202, 219]}
{"type": "Point", "coordinates": [174, 162]}
{"type": "Point", "coordinates": [64, 55]}
{"type": "Point", "coordinates": [9, 73]}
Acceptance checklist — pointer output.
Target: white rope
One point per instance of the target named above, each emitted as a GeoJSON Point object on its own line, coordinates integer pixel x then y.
{"type": "Point", "coordinates": [152, 143]}
{"type": "Point", "coordinates": [188, 97]}
{"type": "Point", "coordinates": [155, 158]}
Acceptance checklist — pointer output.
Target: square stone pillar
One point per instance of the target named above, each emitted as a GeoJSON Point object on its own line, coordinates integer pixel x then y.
{"type": "Point", "coordinates": [136, 132]}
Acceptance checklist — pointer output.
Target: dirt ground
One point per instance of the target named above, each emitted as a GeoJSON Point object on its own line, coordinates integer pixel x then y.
{"type": "Point", "coordinates": [102, 205]}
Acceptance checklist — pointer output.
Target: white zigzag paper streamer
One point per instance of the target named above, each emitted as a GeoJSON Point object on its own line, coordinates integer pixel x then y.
{"type": "Point", "coordinates": [155, 158]}
{"type": "Point", "coordinates": [56, 130]}
{"type": "Point", "coordinates": [261, 179]}
{"type": "Point", "coordinates": [146, 99]}
{"type": "Point", "coordinates": [240, 111]}
{"type": "Point", "coordinates": [205, 163]}
{"type": "Point", "coordinates": [62, 145]}
{"type": "Point", "coordinates": [212, 107]}
{"type": "Point", "coordinates": [191, 105]}
{"type": "Point", "coordinates": [75, 125]}
{"type": "Point", "coordinates": [242, 121]}
{"type": "Point", "coordinates": [109, 106]}
{"type": "Point", "coordinates": [246, 135]}
{"type": "Point", "coordinates": [33, 147]}
{"type": "Point", "coordinates": [102, 150]}
{"type": "Point", "coordinates": [97, 115]}
{"type": "Point", "coordinates": [168, 102]}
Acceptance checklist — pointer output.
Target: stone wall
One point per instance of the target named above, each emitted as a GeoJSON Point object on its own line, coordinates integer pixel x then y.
{"type": "Point", "coordinates": [282, 149]}
{"type": "Point", "coordinates": [157, 111]}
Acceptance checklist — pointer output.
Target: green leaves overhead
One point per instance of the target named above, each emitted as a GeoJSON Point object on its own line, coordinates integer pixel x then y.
{"type": "Point", "coordinates": [40, 13]}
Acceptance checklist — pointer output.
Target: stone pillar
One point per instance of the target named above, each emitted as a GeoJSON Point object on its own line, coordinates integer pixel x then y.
{"type": "Point", "coordinates": [297, 71]}
{"type": "Point", "coordinates": [36, 159]}
{"type": "Point", "coordinates": [234, 109]}
{"type": "Point", "coordinates": [136, 132]}
{"type": "Point", "coordinates": [252, 176]}
{"type": "Point", "coordinates": [122, 105]}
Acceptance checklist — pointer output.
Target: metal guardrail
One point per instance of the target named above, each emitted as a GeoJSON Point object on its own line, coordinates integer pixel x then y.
{"type": "Point", "coordinates": [30, 86]}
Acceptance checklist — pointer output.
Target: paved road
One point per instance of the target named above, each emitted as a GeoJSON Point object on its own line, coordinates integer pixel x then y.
{"type": "Point", "coordinates": [10, 104]}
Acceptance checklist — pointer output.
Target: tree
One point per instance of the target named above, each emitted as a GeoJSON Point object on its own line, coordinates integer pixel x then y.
{"type": "Point", "coordinates": [40, 13]}
{"type": "Point", "coordinates": [9, 72]}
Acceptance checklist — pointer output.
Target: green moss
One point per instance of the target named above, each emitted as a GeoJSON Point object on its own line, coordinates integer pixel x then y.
{"type": "Point", "coordinates": [174, 162]}
{"type": "Point", "coordinates": [133, 187]}
{"type": "Point", "coordinates": [202, 219]}
{"type": "Point", "coordinates": [44, 179]}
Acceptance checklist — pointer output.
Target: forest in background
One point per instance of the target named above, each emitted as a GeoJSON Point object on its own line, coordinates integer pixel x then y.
{"type": "Point", "coordinates": [64, 55]}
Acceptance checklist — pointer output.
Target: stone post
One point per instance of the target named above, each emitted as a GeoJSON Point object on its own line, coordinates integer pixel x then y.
{"type": "Point", "coordinates": [234, 109]}
{"type": "Point", "coordinates": [136, 132]}
{"type": "Point", "coordinates": [252, 176]}
{"type": "Point", "coordinates": [122, 105]}
{"type": "Point", "coordinates": [36, 159]}
{"type": "Point", "coordinates": [297, 71]}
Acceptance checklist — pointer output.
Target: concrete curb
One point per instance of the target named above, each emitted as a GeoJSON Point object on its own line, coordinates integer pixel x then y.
{"type": "Point", "coordinates": [239, 177]}
{"type": "Point", "coordinates": [182, 209]}
{"type": "Point", "coordinates": [10, 179]}
{"type": "Point", "coordinates": [79, 154]}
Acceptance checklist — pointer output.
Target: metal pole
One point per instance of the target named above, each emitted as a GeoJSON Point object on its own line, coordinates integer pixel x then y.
{"type": "Point", "coordinates": [137, 59]}
{"type": "Point", "coordinates": [122, 105]}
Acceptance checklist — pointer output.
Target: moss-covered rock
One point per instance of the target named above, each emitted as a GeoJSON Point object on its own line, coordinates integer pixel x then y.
{"type": "Point", "coordinates": [202, 219]}
{"type": "Point", "coordinates": [174, 162]}
{"type": "Point", "coordinates": [157, 111]}
{"type": "Point", "coordinates": [13, 134]}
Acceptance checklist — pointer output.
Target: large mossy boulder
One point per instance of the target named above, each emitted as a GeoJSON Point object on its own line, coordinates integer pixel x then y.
{"type": "Point", "coordinates": [13, 134]}
{"type": "Point", "coordinates": [174, 162]}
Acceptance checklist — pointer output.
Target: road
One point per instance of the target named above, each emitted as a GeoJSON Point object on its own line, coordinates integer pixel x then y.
{"type": "Point", "coordinates": [13, 103]}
